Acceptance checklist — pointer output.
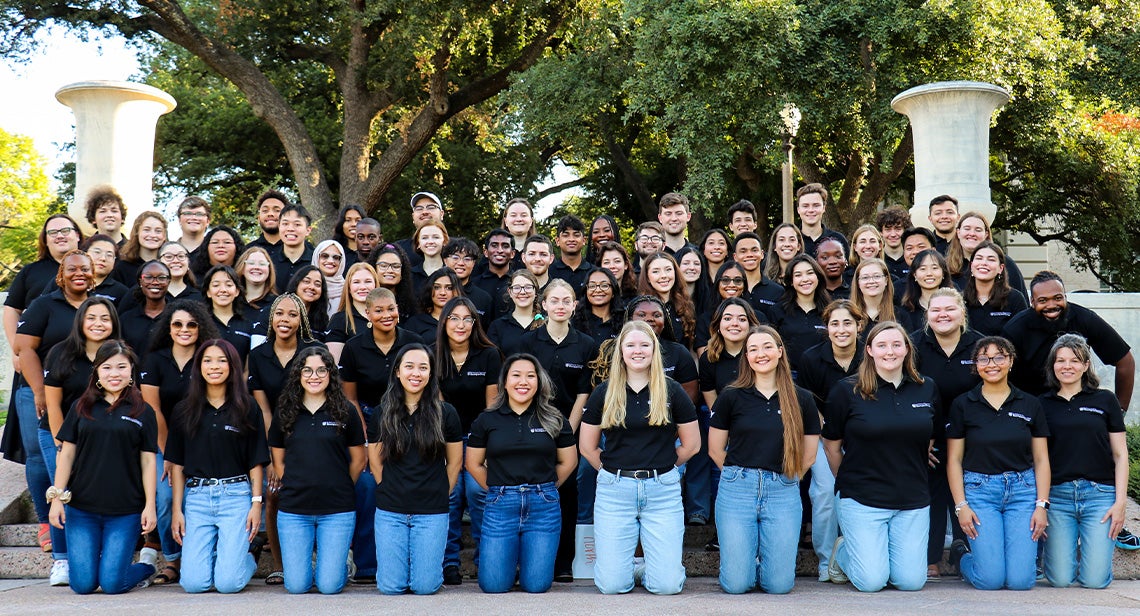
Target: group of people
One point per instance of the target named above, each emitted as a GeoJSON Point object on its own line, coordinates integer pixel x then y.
{"type": "Point", "coordinates": [358, 398]}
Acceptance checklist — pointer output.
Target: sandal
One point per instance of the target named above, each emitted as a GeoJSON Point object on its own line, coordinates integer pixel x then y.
{"type": "Point", "coordinates": [276, 578]}
{"type": "Point", "coordinates": [168, 575]}
{"type": "Point", "coordinates": [44, 537]}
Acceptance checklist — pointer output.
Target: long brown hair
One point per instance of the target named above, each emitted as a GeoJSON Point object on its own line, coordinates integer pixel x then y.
{"type": "Point", "coordinates": [679, 300]}
{"type": "Point", "coordinates": [886, 299]}
{"type": "Point", "coordinates": [867, 384]}
{"type": "Point", "coordinates": [791, 414]}
{"type": "Point", "coordinates": [131, 398]}
{"type": "Point", "coordinates": [956, 257]}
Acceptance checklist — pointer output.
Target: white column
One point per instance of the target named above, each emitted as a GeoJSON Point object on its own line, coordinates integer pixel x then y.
{"type": "Point", "coordinates": [950, 121]}
{"type": "Point", "coordinates": [114, 141]}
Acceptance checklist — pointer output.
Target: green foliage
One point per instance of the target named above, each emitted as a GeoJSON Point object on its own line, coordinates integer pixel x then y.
{"type": "Point", "coordinates": [1133, 436]}
{"type": "Point", "coordinates": [25, 200]}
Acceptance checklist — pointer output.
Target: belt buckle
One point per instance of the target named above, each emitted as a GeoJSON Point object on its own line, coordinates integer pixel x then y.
{"type": "Point", "coordinates": [642, 474]}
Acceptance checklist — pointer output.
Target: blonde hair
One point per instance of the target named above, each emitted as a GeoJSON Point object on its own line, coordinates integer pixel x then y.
{"type": "Point", "coordinates": [614, 405]}
{"type": "Point", "coordinates": [853, 258]}
{"type": "Point", "coordinates": [346, 305]}
{"type": "Point", "coordinates": [886, 300]}
{"type": "Point", "coordinates": [952, 293]}
{"type": "Point", "coordinates": [867, 384]}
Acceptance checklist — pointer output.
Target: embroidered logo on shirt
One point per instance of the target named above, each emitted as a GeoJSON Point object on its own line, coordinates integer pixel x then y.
{"type": "Point", "coordinates": [476, 374]}
{"type": "Point", "coordinates": [967, 362]}
{"type": "Point", "coordinates": [1090, 409]}
{"type": "Point", "coordinates": [142, 375]}
{"type": "Point", "coordinates": [537, 430]}
{"type": "Point", "coordinates": [131, 419]}
{"type": "Point", "coordinates": [822, 328]}
{"type": "Point", "coordinates": [1000, 314]}
{"type": "Point", "coordinates": [766, 302]}
{"type": "Point", "coordinates": [922, 405]}
{"type": "Point", "coordinates": [574, 366]}
{"type": "Point", "coordinates": [333, 424]}
{"type": "Point", "coordinates": [233, 429]}
{"type": "Point", "coordinates": [1019, 416]}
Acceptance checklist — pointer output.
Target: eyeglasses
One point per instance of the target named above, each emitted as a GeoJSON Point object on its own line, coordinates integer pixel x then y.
{"type": "Point", "coordinates": [872, 278]}
{"type": "Point", "coordinates": [454, 320]}
{"type": "Point", "coordinates": [598, 286]}
{"type": "Point", "coordinates": [64, 232]}
{"type": "Point", "coordinates": [191, 325]}
{"type": "Point", "coordinates": [522, 288]}
{"type": "Point", "coordinates": [331, 257]}
{"type": "Point", "coordinates": [100, 254]}
{"type": "Point", "coordinates": [431, 207]}
{"type": "Point", "coordinates": [321, 372]}
{"type": "Point", "coordinates": [174, 257]}
{"type": "Point", "coordinates": [153, 278]}
{"type": "Point", "coordinates": [381, 266]}
{"type": "Point", "coordinates": [650, 239]}
{"type": "Point", "coordinates": [997, 360]}
{"type": "Point", "coordinates": [735, 281]}
{"type": "Point", "coordinates": [194, 214]}
{"type": "Point", "coordinates": [463, 258]}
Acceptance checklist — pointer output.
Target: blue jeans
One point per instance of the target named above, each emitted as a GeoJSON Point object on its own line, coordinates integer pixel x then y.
{"type": "Point", "coordinates": [164, 506]}
{"type": "Point", "coordinates": [216, 545]}
{"type": "Point", "coordinates": [412, 550]}
{"type": "Point", "coordinates": [824, 519]}
{"type": "Point", "coordinates": [467, 494]}
{"type": "Point", "coordinates": [587, 478]}
{"type": "Point", "coordinates": [58, 536]}
{"type": "Point", "coordinates": [626, 510]}
{"type": "Point", "coordinates": [883, 545]}
{"type": "Point", "coordinates": [364, 535]}
{"type": "Point", "coordinates": [35, 469]}
{"type": "Point", "coordinates": [1075, 512]}
{"type": "Point", "coordinates": [758, 516]}
{"type": "Point", "coordinates": [699, 472]}
{"type": "Point", "coordinates": [102, 547]}
{"type": "Point", "coordinates": [331, 534]}
{"type": "Point", "coordinates": [521, 527]}
{"type": "Point", "coordinates": [1004, 555]}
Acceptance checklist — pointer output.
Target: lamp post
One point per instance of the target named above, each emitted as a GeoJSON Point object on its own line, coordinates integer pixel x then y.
{"type": "Point", "coordinates": [790, 115]}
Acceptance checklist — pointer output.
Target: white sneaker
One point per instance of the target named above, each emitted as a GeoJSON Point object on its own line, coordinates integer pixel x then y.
{"type": "Point", "coordinates": [60, 573]}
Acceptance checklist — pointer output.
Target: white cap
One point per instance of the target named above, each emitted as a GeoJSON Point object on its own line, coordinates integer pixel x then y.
{"type": "Point", "coordinates": [421, 195]}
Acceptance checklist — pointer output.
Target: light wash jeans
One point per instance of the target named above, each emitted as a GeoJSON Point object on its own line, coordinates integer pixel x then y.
{"type": "Point", "coordinates": [102, 547]}
{"type": "Point", "coordinates": [331, 535]}
{"type": "Point", "coordinates": [758, 517]}
{"type": "Point", "coordinates": [216, 545]}
{"type": "Point", "coordinates": [521, 528]}
{"type": "Point", "coordinates": [626, 510]}
{"type": "Point", "coordinates": [883, 545]}
{"type": "Point", "coordinates": [409, 552]}
{"type": "Point", "coordinates": [1004, 555]}
{"type": "Point", "coordinates": [1075, 510]}
{"type": "Point", "coordinates": [824, 519]}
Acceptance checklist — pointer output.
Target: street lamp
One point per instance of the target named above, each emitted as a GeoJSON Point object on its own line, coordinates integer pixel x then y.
{"type": "Point", "coordinates": [790, 115]}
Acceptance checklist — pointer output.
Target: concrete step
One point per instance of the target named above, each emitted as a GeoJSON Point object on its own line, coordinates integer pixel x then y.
{"type": "Point", "coordinates": [19, 535]}
{"type": "Point", "coordinates": [24, 562]}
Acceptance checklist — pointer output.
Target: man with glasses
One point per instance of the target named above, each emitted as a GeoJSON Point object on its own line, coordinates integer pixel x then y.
{"type": "Point", "coordinates": [760, 291]}
{"type": "Point", "coordinates": [294, 252]}
{"type": "Point", "coordinates": [460, 255]}
{"type": "Point", "coordinates": [269, 206]}
{"type": "Point", "coordinates": [106, 212]}
{"type": "Point", "coordinates": [426, 207]}
{"type": "Point", "coordinates": [194, 220]}
{"type": "Point", "coordinates": [494, 272]}
{"type": "Point", "coordinates": [649, 239]}
{"type": "Point", "coordinates": [571, 240]}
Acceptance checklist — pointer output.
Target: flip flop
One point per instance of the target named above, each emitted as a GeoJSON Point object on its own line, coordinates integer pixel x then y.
{"type": "Point", "coordinates": [276, 578]}
{"type": "Point", "coordinates": [168, 575]}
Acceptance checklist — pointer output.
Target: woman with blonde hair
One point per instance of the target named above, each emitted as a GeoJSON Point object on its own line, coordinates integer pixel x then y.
{"type": "Point", "coordinates": [642, 413]}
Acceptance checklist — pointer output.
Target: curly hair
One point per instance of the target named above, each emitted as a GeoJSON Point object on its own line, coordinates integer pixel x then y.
{"type": "Point", "coordinates": [161, 339]}
{"type": "Point", "coordinates": [580, 319]}
{"type": "Point", "coordinates": [292, 398]}
{"type": "Point", "coordinates": [426, 433]}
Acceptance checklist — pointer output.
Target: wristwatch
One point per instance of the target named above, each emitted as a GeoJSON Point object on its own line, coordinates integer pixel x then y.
{"type": "Point", "coordinates": [1044, 504]}
{"type": "Point", "coordinates": [255, 499]}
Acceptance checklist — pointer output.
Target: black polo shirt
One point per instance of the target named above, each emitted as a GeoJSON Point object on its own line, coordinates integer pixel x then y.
{"type": "Point", "coordinates": [467, 390]}
{"type": "Point", "coordinates": [238, 332]}
{"type": "Point", "coordinates": [820, 371]}
{"type": "Point", "coordinates": [715, 376]}
{"type": "Point", "coordinates": [897, 268]}
{"type": "Point", "coordinates": [483, 304]}
{"type": "Point", "coordinates": [110, 288]}
{"type": "Point", "coordinates": [496, 288]}
{"type": "Point", "coordinates": [30, 283]}
{"type": "Point", "coordinates": [1078, 435]}
{"type": "Point", "coordinates": [954, 373]}
{"type": "Point", "coordinates": [217, 449]}
{"type": "Point", "coordinates": [1033, 335]}
{"type": "Point", "coordinates": [810, 244]}
{"type": "Point", "coordinates": [267, 374]}
{"type": "Point", "coordinates": [137, 329]}
{"type": "Point", "coordinates": [567, 363]}
{"type": "Point", "coordinates": [506, 333]}
{"type": "Point", "coordinates": [678, 325]}
{"type": "Point", "coordinates": [997, 440]}
{"type": "Point", "coordinates": [127, 272]}
{"type": "Point", "coordinates": [1012, 273]}
{"type": "Point", "coordinates": [261, 242]}
{"type": "Point", "coordinates": [678, 362]}
{"type": "Point", "coordinates": [765, 297]}
{"type": "Point", "coordinates": [800, 330]}
{"type": "Point", "coordinates": [755, 426]}
{"type": "Point", "coordinates": [519, 450]}
{"type": "Point", "coordinates": [317, 479]}
{"type": "Point", "coordinates": [160, 370]}
{"type": "Point", "coordinates": [412, 485]}
{"type": "Point", "coordinates": [258, 316]}
{"type": "Point", "coordinates": [913, 320]}
{"type": "Point", "coordinates": [285, 268]}
{"type": "Point", "coordinates": [106, 475]}
{"type": "Point", "coordinates": [49, 318]}
{"type": "Point", "coordinates": [885, 441]}
{"type": "Point", "coordinates": [423, 325]}
{"type": "Point", "coordinates": [988, 320]}
{"type": "Point", "coordinates": [72, 385]}
{"type": "Point", "coordinates": [576, 277]}
{"type": "Point", "coordinates": [338, 327]}
{"type": "Point", "coordinates": [704, 323]}
{"type": "Point", "coordinates": [363, 363]}
{"type": "Point", "coordinates": [131, 300]}
{"type": "Point", "coordinates": [599, 330]}
{"type": "Point", "coordinates": [414, 258]}
{"type": "Point", "coordinates": [640, 446]}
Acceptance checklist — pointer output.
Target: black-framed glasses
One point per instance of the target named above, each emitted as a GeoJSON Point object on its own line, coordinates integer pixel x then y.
{"type": "Point", "coordinates": [64, 232]}
{"type": "Point", "coordinates": [320, 371]}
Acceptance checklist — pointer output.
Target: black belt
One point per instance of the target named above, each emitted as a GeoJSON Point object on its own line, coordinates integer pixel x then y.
{"type": "Point", "coordinates": [641, 474]}
{"type": "Point", "coordinates": [194, 482]}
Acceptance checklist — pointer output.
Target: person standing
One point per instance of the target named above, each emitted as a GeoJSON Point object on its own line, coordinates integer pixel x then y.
{"type": "Point", "coordinates": [194, 220]}
{"type": "Point", "coordinates": [811, 203]}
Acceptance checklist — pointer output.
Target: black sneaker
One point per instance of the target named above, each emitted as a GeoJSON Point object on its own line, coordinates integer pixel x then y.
{"type": "Point", "coordinates": [958, 549]}
{"type": "Point", "coordinates": [1127, 541]}
{"type": "Point", "coordinates": [713, 545]}
{"type": "Point", "coordinates": [564, 577]}
{"type": "Point", "coordinates": [367, 580]}
{"type": "Point", "coordinates": [256, 546]}
{"type": "Point", "coordinates": [451, 576]}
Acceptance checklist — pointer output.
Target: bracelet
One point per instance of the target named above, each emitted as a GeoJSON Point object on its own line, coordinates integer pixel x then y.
{"type": "Point", "coordinates": [53, 493]}
{"type": "Point", "coordinates": [960, 506]}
